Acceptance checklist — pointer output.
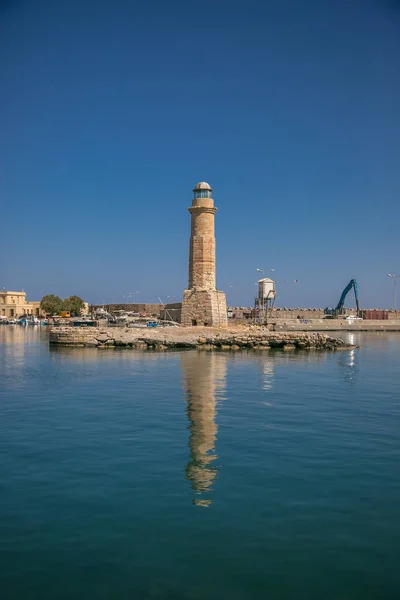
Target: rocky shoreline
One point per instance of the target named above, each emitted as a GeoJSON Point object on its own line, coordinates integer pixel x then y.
{"type": "Point", "coordinates": [257, 338]}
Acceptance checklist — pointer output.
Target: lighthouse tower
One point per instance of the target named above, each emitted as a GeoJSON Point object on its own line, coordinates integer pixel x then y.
{"type": "Point", "coordinates": [202, 303]}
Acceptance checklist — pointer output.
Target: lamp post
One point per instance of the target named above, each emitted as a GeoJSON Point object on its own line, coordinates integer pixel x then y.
{"type": "Point", "coordinates": [262, 271]}
{"type": "Point", "coordinates": [395, 278]}
{"type": "Point", "coordinates": [130, 297]}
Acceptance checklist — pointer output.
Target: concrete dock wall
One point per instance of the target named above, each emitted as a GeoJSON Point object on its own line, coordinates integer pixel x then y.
{"type": "Point", "coordinates": [334, 325]}
{"type": "Point", "coordinates": [279, 314]}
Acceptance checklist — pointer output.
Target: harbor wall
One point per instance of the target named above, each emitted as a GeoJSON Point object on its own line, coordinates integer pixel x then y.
{"type": "Point", "coordinates": [192, 337]}
{"type": "Point", "coordinates": [299, 313]}
{"type": "Point", "coordinates": [335, 325]}
{"type": "Point", "coordinates": [239, 314]}
{"type": "Point", "coordinates": [153, 310]}
{"type": "Point", "coordinates": [171, 314]}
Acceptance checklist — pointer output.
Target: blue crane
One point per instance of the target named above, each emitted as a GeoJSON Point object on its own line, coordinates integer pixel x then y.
{"type": "Point", "coordinates": [339, 308]}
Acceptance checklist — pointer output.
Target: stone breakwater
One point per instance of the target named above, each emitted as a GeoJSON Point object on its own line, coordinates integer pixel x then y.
{"type": "Point", "coordinates": [207, 339]}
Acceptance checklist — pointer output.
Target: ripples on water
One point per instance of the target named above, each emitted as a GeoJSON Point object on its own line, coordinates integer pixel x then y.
{"type": "Point", "coordinates": [199, 475]}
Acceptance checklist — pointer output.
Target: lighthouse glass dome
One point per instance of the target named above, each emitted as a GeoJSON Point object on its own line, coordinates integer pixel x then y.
{"type": "Point", "coordinates": [202, 194]}
{"type": "Point", "coordinates": [202, 190]}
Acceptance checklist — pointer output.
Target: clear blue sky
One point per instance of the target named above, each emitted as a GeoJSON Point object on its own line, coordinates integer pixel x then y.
{"type": "Point", "coordinates": [112, 110]}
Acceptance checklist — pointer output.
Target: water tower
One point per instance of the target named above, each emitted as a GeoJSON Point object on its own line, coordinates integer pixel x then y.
{"type": "Point", "coordinates": [266, 297]}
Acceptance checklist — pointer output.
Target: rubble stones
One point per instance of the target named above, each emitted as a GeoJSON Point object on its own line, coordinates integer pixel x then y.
{"type": "Point", "coordinates": [259, 339]}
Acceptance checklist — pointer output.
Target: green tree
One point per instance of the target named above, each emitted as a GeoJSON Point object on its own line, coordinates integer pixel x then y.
{"type": "Point", "coordinates": [75, 305]}
{"type": "Point", "coordinates": [66, 305]}
{"type": "Point", "coordinates": [51, 304]}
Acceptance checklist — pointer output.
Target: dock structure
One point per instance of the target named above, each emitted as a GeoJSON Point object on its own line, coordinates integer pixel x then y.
{"type": "Point", "coordinates": [203, 304]}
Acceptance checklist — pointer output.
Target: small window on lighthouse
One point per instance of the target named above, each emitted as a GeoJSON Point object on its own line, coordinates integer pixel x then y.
{"type": "Point", "coordinates": [202, 194]}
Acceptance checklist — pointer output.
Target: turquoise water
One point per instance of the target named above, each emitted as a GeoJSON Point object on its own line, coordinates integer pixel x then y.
{"type": "Point", "coordinates": [195, 475]}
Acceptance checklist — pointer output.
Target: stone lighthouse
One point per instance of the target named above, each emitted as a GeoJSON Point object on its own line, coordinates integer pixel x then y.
{"type": "Point", "coordinates": [202, 303]}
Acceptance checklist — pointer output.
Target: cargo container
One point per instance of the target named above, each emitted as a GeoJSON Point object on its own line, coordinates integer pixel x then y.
{"type": "Point", "coordinates": [375, 315]}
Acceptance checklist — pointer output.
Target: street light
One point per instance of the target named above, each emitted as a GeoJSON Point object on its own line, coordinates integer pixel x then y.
{"type": "Point", "coordinates": [395, 278]}
{"type": "Point", "coordinates": [262, 271]}
{"type": "Point", "coordinates": [130, 298]}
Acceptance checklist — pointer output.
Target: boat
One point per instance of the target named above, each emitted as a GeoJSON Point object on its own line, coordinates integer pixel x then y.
{"type": "Point", "coordinates": [84, 322]}
{"type": "Point", "coordinates": [33, 321]}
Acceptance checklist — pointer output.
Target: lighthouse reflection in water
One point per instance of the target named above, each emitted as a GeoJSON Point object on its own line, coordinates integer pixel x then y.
{"type": "Point", "coordinates": [204, 382]}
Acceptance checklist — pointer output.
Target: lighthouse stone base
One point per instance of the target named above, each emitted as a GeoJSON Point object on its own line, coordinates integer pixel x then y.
{"type": "Point", "coordinates": [204, 307]}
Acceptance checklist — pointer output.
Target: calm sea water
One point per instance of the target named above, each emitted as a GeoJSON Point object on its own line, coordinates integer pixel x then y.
{"type": "Point", "coordinates": [190, 475]}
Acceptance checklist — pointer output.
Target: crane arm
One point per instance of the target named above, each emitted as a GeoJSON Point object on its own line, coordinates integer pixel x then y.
{"type": "Point", "coordinates": [352, 284]}
{"type": "Point", "coordinates": [356, 296]}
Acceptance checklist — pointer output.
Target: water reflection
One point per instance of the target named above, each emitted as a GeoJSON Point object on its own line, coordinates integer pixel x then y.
{"type": "Point", "coordinates": [95, 355]}
{"type": "Point", "coordinates": [348, 363]}
{"type": "Point", "coordinates": [19, 346]}
{"type": "Point", "coordinates": [351, 339]}
{"type": "Point", "coordinates": [270, 361]}
{"type": "Point", "coordinates": [13, 340]}
{"type": "Point", "coordinates": [204, 382]}
{"type": "Point", "coordinates": [267, 374]}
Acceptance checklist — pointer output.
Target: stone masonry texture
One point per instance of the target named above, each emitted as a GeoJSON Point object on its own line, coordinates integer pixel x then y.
{"type": "Point", "coordinates": [202, 303]}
